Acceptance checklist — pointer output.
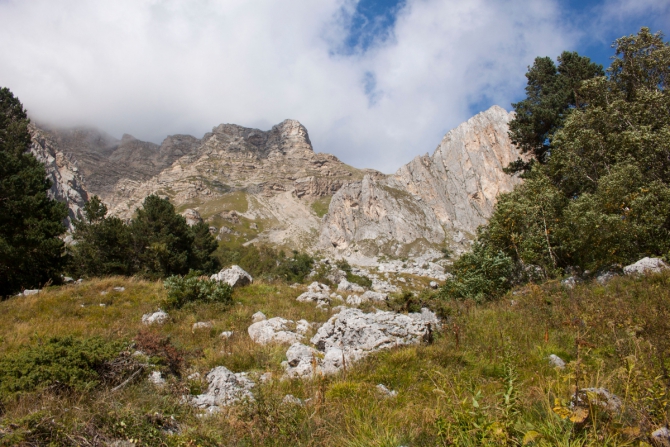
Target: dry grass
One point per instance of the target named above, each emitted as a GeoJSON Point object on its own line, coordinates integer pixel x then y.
{"type": "Point", "coordinates": [452, 392]}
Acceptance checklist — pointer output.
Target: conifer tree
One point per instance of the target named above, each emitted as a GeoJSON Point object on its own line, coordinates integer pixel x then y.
{"type": "Point", "coordinates": [31, 253]}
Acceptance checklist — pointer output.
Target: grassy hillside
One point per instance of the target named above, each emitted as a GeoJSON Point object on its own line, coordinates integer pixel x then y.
{"type": "Point", "coordinates": [485, 380]}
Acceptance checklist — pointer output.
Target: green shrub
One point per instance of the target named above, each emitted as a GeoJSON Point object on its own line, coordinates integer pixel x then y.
{"type": "Point", "coordinates": [189, 288]}
{"type": "Point", "coordinates": [343, 265]}
{"type": "Point", "coordinates": [60, 361]}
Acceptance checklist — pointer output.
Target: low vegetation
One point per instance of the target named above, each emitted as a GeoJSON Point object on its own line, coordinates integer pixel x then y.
{"type": "Point", "coordinates": [484, 380]}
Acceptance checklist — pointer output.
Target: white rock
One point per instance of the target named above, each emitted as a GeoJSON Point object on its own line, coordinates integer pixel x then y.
{"type": "Point", "coordinates": [302, 327]}
{"type": "Point", "coordinates": [225, 388]}
{"type": "Point", "coordinates": [226, 334]}
{"type": "Point", "coordinates": [67, 279]}
{"type": "Point", "coordinates": [29, 292]}
{"type": "Point", "coordinates": [265, 377]}
{"type": "Point", "coordinates": [376, 297]}
{"type": "Point", "coordinates": [201, 325]}
{"type": "Point", "coordinates": [433, 285]}
{"type": "Point", "coordinates": [605, 277]}
{"type": "Point", "coordinates": [158, 317]}
{"type": "Point", "coordinates": [355, 300]}
{"type": "Point", "coordinates": [569, 283]}
{"type": "Point", "coordinates": [274, 330]}
{"type": "Point", "coordinates": [156, 378]}
{"type": "Point", "coordinates": [385, 391]}
{"type": "Point", "coordinates": [346, 286]}
{"type": "Point", "coordinates": [317, 287]}
{"type": "Point", "coordinates": [320, 298]}
{"type": "Point", "coordinates": [234, 276]}
{"type": "Point", "coordinates": [119, 289]}
{"type": "Point", "coordinates": [192, 217]}
{"type": "Point", "coordinates": [290, 399]}
{"type": "Point", "coordinates": [556, 361]}
{"type": "Point", "coordinates": [338, 309]}
{"type": "Point", "coordinates": [194, 376]}
{"type": "Point", "coordinates": [300, 361]}
{"type": "Point", "coordinates": [644, 266]}
{"type": "Point", "coordinates": [661, 437]}
{"type": "Point", "coordinates": [597, 397]}
{"type": "Point", "coordinates": [258, 316]}
{"type": "Point", "coordinates": [359, 334]}
{"type": "Point", "coordinates": [383, 286]}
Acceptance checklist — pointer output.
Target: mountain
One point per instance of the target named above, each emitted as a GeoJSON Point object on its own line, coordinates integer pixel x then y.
{"type": "Point", "coordinates": [432, 201]}
{"type": "Point", "coordinates": [270, 186]}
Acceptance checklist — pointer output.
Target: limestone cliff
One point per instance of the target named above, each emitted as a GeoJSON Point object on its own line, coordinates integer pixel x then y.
{"type": "Point", "coordinates": [446, 195]}
{"type": "Point", "coordinates": [67, 184]}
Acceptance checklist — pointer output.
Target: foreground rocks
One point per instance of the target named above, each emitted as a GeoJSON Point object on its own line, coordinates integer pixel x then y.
{"type": "Point", "coordinates": [234, 276]}
{"type": "Point", "coordinates": [225, 388]}
{"type": "Point", "coordinates": [644, 266]}
{"type": "Point", "coordinates": [278, 330]}
{"type": "Point", "coordinates": [158, 317]}
{"type": "Point", "coordinates": [352, 335]}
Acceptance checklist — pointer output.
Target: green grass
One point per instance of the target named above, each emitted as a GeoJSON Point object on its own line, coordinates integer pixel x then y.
{"type": "Point", "coordinates": [485, 380]}
{"type": "Point", "coordinates": [320, 205]}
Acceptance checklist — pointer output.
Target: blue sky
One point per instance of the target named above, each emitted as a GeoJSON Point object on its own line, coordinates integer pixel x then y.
{"type": "Point", "coordinates": [375, 82]}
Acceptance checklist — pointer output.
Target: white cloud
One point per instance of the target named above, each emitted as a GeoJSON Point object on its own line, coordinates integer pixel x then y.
{"type": "Point", "coordinates": [157, 67]}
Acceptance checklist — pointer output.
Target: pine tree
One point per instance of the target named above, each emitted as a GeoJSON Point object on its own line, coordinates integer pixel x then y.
{"type": "Point", "coordinates": [31, 253]}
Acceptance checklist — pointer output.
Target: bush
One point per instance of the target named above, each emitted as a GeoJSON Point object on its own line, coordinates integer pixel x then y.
{"type": "Point", "coordinates": [263, 261]}
{"type": "Point", "coordinates": [364, 281]}
{"type": "Point", "coordinates": [65, 362]}
{"type": "Point", "coordinates": [190, 288]}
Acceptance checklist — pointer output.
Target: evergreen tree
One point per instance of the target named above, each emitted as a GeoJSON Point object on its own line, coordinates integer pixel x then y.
{"type": "Point", "coordinates": [31, 253]}
{"type": "Point", "coordinates": [104, 245]}
{"type": "Point", "coordinates": [163, 241]}
{"type": "Point", "coordinates": [204, 244]}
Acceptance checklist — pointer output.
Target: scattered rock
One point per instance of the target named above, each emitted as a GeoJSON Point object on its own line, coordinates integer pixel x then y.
{"type": "Point", "coordinates": [274, 330]}
{"type": "Point", "coordinates": [194, 376]}
{"type": "Point", "coordinates": [316, 293]}
{"type": "Point", "coordinates": [383, 286]}
{"type": "Point", "coordinates": [159, 317]}
{"type": "Point", "coordinates": [569, 283]}
{"type": "Point", "coordinates": [201, 325]}
{"type": "Point", "coordinates": [258, 316]}
{"type": "Point", "coordinates": [29, 292]}
{"type": "Point", "coordinates": [346, 286]}
{"type": "Point", "coordinates": [302, 327]}
{"type": "Point", "coordinates": [156, 378]}
{"type": "Point", "coordinates": [597, 397]}
{"type": "Point", "coordinates": [377, 297]}
{"type": "Point", "coordinates": [556, 361]}
{"type": "Point", "coordinates": [226, 334]}
{"type": "Point", "coordinates": [661, 437]}
{"type": "Point", "coordinates": [385, 391]}
{"type": "Point", "coordinates": [235, 276]}
{"type": "Point", "coordinates": [644, 266]}
{"type": "Point", "coordinates": [605, 277]}
{"type": "Point", "coordinates": [192, 217]}
{"type": "Point", "coordinates": [300, 361]}
{"type": "Point", "coordinates": [119, 289]}
{"type": "Point", "coordinates": [433, 285]}
{"type": "Point", "coordinates": [355, 300]}
{"type": "Point", "coordinates": [253, 226]}
{"type": "Point", "coordinates": [104, 292]}
{"type": "Point", "coordinates": [265, 377]}
{"type": "Point", "coordinates": [225, 388]}
{"type": "Point", "coordinates": [67, 279]}
{"type": "Point", "coordinates": [290, 399]}
{"type": "Point", "coordinates": [358, 334]}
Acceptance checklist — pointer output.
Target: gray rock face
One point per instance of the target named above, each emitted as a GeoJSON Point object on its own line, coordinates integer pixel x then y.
{"type": "Point", "coordinates": [235, 276]}
{"type": "Point", "coordinates": [346, 286]}
{"type": "Point", "coordinates": [316, 293]}
{"type": "Point", "coordinates": [453, 191]}
{"type": "Point", "coordinates": [225, 388]}
{"type": "Point", "coordinates": [67, 183]}
{"type": "Point", "coordinates": [644, 266]}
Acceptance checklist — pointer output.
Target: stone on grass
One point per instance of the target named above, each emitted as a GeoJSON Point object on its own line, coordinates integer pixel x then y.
{"type": "Point", "coordinates": [302, 327]}
{"type": "Point", "coordinates": [258, 316]}
{"type": "Point", "coordinates": [661, 437]}
{"type": "Point", "coordinates": [355, 300]}
{"type": "Point", "coordinates": [300, 361]}
{"type": "Point", "coordinates": [316, 293]}
{"type": "Point", "coordinates": [200, 325]}
{"type": "Point", "coordinates": [569, 283]}
{"type": "Point", "coordinates": [644, 266]}
{"type": "Point", "coordinates": [385, 391]}
{"type": "Point", "coordinates": [29, 292]}
{"type": "Point", "coordinates": [158, 317]}
{"type": "Point", "coordinates": [274, 330]}
{"type": "Point", "coordinates": [156, 378]}
{"type": "Point", "coordinates": [605, 277]}
{"type": "Point", "coordinates": [377, 297]}
{"type": "Point", "coordinates": [383, 286]}
{"type": "Point", "coordinates": [226, 334]}
{"type": "Point", "coordinates": [224, 388]}
{"type": "Point", "coordinates": [192, 217]}
{"type": "Point", "coordinates": [119, 289]}
{"type": "Point", "coordinates": [290, 399]}
{"type": "Point", "coordinates": [433, 284]}
{"type": "Point", "coordinates": [346, 286]}
{"type": "Point", "coordinates": [234, 276]}
{"type": "Point", "coordinates": [556, 361]}
{"type": "Point", "coordinates": [597, 397]}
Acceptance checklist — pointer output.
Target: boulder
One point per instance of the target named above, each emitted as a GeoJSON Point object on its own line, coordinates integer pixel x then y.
{"type": "Point", "coordinates": [224, 388]}
{"type": "Point", "coordinates": [433, 285]}
{"type": "Point", "coordinates": [158, 317]}
{"type": "Point", "coordinates": [375, 297]}
{"type": "Point", "coordinates": [385, 391]}
{"type": "Point", "coordinates": [300, 361]}
{"type": "Point", "coordinates": [157, 379]}
{"type": "Point", "coordinates": [605, 277]}
{"type": "Point", "coordinates": [29, 292]}
{"type": "Point", "coordinates": [383, 286]}
{"type": "Point", "coordinates": [358, 334]}
{"type": "Point", "coordinates": [258, 316]}
{"type": "Point", "coordinates": [661, 437]}
{"type": "Point", "coordinates": [274, 330]}
{"type": "Point", "coordinates": [355, 300]}
{"type": "Point", "coordinates": [316, 293]}
{"type": "Point", "coordinates": [556, 361]}
{"type": "Point", "coordinates": [200, 325]}
{"type": "Point", "coordinates": [600, 397]}
{"type": "Point", "coordinates": [234, 276]}
{"type": "Point", "coordinates": [226, 335]}
{"type": "Point", "coordinates": [346, 286]}
{"type": "Point", "coordinates": [119, 289]}
{"type": "Point", "coordinates": [192, 217]}
{"type": "Point", "coordinates": [644, 266]}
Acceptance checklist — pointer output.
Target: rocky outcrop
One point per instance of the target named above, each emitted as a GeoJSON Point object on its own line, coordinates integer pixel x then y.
{"type": "Point", "coordinates": [432, 198]}
{"type": "Point", "coordinates": [67, 183]}
{"type": "Point", "coordinates": [234, 276]}
{"type": "Point", "coordinates": [224, 388]}
{"type": "Point", "coordinates": [644, 266]}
